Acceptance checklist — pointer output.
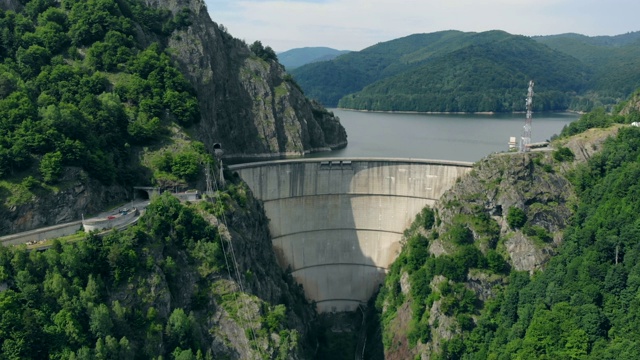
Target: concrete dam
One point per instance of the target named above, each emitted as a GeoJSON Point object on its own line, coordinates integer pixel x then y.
{"type": "Point", "coordinates": [337, 223]}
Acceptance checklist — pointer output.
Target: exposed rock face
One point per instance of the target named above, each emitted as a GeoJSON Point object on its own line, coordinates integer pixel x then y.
{"type": "Point", "coordinates": [484, 285]}
{"type": "Point", "coordinates": [524, 254]}
{"type": "Point", "coordinates": [525, 181]}
{"type": "Point", "coordinates": [586, 144]}
{"type": "Point", "coordinates": [532, 182]}
{"type": "Point", "coordinates": [81, 195]}
{"type": "Point", "coordinates": [247, 229]}
{"type": "Point", "coordinates": [13, 5]}
{"type": "Point", "coordinates": [248, 105]}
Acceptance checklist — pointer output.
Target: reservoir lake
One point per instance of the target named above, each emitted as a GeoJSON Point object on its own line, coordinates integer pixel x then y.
{"type": "Point", "coordinates": [462, 137]}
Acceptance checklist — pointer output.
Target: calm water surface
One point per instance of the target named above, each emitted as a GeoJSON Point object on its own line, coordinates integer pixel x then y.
{"type": "Point", "coordinates": [446, 137]}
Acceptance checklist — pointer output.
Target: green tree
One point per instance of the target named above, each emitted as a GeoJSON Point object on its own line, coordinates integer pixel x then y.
{"type": "Point", "coordinates": [496, 262]}
{"type": "Point", "coordinates": [183, 106]}
{"type": "Point", "coordinates": [100, 322]}
{"type": "Point", "coordinates": [460, 234]}
{"type": "Point", "coordinates": [179, 327]}
{"type": "Point", "coordinates": [276, 318]}
{"type": "Point", "coordinates": [563, 154]}
{"type": "Point", "coordinates": [32, 59]}
{"type": "Point", "coordinates": [265, 53]}
{"type": "Point", "coordinates": [516, 218]}
{"type": "Point", "coordinates": [429, 218]}
{"type": "Point", "coordinates": [51, 167]}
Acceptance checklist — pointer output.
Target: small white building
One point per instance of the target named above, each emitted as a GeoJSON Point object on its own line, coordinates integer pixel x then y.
{"type": "Point", "coordinates": [190, 195]}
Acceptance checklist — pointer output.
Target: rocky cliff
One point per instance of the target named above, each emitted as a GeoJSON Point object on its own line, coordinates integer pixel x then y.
{"type": "Point", "coordinates": [510, 209]}
{"type": "Point", "coordinates": [471, 224]}
{"type": "Point", "coordinates": [513, 180]}
{"type": "Point", "coordinates": [34, 207]}
{"type": "Point", "coordinates": [249, 105]}
{"type": "Point", "coordinates": [186, 280]}
{"type": "Point", "coordinates": [258, 285]}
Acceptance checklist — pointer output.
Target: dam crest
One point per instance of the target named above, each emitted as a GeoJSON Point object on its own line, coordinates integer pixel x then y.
{"type": "Point", "coordinates": [337, 223]}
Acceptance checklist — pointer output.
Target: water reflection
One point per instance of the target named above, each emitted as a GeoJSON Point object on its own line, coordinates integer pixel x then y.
{"type": "Point", "coordinates": [446, 137]}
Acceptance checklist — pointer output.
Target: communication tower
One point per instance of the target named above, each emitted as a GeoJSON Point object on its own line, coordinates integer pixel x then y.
{"type": "Point", "coordinates": [209, 181]}
{"type": "Point", "coordinates": [217, 150]}
{"type": "Point", "coordinates": [525, 140]}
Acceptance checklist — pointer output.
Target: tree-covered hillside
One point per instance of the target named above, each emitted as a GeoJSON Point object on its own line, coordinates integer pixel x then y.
{"type": "Point", "coordinates": [478, 78]}
{"type": "Point", "coordinates": [78, 88]}
{"type": "Point", "coordinates": [493, 272]}
{"type": "Point", "coordinates": [420, 73]}
{"type": "Point", "coordinates": [170, 287]}
{"type": "Point", "coordinates": [614, 60]}
{"type": "Point", "coordinates": [329, 81]}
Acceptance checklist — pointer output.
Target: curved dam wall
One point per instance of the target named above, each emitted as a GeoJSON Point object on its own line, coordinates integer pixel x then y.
{"type": "Point", "coordinates": [337, 223]}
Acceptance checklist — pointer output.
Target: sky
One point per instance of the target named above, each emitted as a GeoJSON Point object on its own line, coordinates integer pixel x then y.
{"type": "Point", "coordinates": [357, 24]}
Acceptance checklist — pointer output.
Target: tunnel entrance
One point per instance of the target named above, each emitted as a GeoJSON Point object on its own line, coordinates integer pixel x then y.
{"type": "Point", "coordinates": [144, 192]}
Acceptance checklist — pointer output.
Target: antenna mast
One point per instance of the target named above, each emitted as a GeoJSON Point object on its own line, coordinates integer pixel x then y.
{"type": "Point", "coordinates": [217, 149]}
{"type": "Point", "coordinates": [525, 140]}
{"type": "Point", "coordinates": [209, 182]}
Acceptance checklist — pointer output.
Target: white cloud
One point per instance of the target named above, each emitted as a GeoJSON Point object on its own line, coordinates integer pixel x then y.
{"type": "Point", "coordinates": [356, 24]}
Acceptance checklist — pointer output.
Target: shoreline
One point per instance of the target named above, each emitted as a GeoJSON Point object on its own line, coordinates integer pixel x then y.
{"type": "Point", "coordinates": [453, 112]}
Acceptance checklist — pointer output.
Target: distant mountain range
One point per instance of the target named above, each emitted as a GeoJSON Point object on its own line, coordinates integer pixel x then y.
{"type": "Point", "coordinates": [454, 71]}
{"type": "Point", "coordinates": [294, 58]}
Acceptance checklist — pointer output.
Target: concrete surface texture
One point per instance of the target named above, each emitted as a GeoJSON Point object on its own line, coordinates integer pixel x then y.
{"type": "Point", "coordinates": [50, 232]}
{"type": "Point", "coordinates": [337, 223]}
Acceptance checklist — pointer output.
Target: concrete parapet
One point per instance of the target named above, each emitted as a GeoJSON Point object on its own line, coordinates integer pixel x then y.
{"type": "Point", "coordinates": [50, 232]}
{"type": "Point", "coordinates": [337, 223]}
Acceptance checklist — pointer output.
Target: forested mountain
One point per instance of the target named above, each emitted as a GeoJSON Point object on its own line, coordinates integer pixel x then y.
{"type": "Point", "coordinates": [331, 80]}
{"type": "Point", "coordinates": [532, 256]}
{"type": "Point", "coordinates": [294, 58]}
{"type": "Point", "coordinates": [614, 60]}
{"type": "Point", "coordinates": [478, 78]}
{"type": "Point", "coordinates": [443, 71]}
{"type": "Point", "coordinates": [98, 96]}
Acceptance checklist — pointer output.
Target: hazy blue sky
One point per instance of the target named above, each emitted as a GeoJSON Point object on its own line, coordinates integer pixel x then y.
{"type": "Point", "coordinates": [357, 24]}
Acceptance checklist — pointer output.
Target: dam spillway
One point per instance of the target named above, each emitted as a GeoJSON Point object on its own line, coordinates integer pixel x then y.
{"type": "Point", "coordinates": [337, 223]}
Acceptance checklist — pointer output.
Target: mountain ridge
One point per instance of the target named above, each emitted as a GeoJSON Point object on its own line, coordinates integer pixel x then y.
{"type": "Point", "coordinates": [599, 82]}
{"type": "Point", "coordinates": [297, 57]}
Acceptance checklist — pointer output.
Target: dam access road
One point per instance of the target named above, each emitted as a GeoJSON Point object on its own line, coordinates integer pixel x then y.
{"type": "Point", "coordinates": [337, 223]}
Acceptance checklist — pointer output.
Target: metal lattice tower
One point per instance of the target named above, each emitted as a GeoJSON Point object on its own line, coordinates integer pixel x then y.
{"type": "Point", "coordinates": [209, 182]}
{"type": "Point", "coordinates": [217, 149]}
{"type": "Point", "coordinates": [525, 140]}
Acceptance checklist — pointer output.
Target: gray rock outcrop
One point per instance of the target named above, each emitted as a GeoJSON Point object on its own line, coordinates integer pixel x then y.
{"type": "Point", "coordinates": [524, 181]}
{"type": "Point", "coordinates": [249, 105]}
